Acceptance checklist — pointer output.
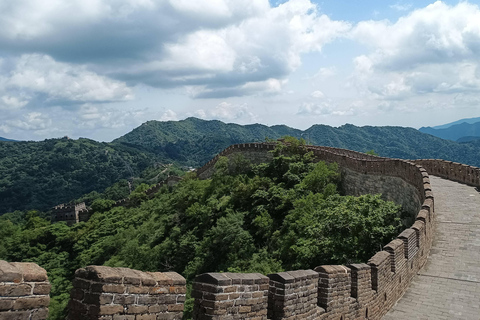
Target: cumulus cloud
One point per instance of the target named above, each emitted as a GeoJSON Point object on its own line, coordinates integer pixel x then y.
{"type": "Point", "coordinates": [95, 116]}
{"type": "Point", "coordinates": [325, 108]}
{"type": "Point", "coordinates": [222, 47]}
{"type": "Point", "coordinates": [317, 94]}
{"type": "Point", "coordinates": [435, 49]}
{"type": "Point", "coordinates": [169, 115]}
{"type": "Point", "coordinates": [39, 77]}
{"type": "Point", "coordinates": [32, 121]}
{"type": "Point", "coordinates": [401, 7]}
{"type": "Point", "coordinates": [227, 112]}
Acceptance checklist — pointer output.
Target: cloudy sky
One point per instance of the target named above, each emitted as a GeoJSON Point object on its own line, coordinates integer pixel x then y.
{"type": "Point", "coordinates": [99, 68]}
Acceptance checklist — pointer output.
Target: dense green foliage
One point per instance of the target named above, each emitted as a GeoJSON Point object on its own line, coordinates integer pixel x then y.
{"type": "Point", "coordinates": [39, 175]}
{"type": "Point", "coordinates": [194, 142]}
{"type": "Point", "coordinates": [281, 215]}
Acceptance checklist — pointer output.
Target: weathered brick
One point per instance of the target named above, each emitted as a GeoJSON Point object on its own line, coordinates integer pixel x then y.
{"type": "Point", "coordinates": [15, 290]}
{"type": "Point", "coordinates": [6, 304]}
{"type": "Point", "coordinates": [24, 303]}
{"type": "Point", "coordinates": [42, 288]}
{"type": "Point", "coordinates": [136, 309]}
{"type": "Point", "coordinates": [175, 307]}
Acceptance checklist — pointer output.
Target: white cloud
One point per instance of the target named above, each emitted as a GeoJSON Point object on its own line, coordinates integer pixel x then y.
{"type": "Point", "coordinates": [243, 58]}
{"type": "Point", "coordinates": [98, 116]}
{"type": "Point", "coordinates": [219, 46]}
{"type": "Point", "coordinates": [225, 111]}
{"type": "Point", "coordinates": [61, 83]}
{"type": "Point", "coordinates": [437, 33]}
{"type": "Point", "coordinates": [317, 94]}
{"type": "Point", "coordinates": [401, 7]}
{"type": "Point", "coordinates": [32, 121]}
{"type": "Point", "coordinates": [9, 102]}
{"type": "Point", "coordinates": [325, 108]}
{"type": "Point", "coordinates": [169, 115]}
{"type": "Point", "coordinates": [326, 72]}
{"type": "Point", "coordinates": [435, 49]}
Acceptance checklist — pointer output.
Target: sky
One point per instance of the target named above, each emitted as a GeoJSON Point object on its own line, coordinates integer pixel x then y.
{"type": "Point", "coordinates": [99, 68]}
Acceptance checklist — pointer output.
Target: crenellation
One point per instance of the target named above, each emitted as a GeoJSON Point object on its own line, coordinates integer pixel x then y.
{"type": "Point", "coordinates": [397, 252]}
{"type": "Point", "coordinates": [381, 268]}
{"type": "Point", "coordinates": [24, 291]}
{"type": "Point", "coordinates": [293, 294]}
{"type": "Point", "coordinates": [409, 238]}
{"type": "Point", "coordinates": [230, 296]}
{"type": "Point", "coordinates": [101, 292]}
{"type": "Point", "coordinates": [356, 291]}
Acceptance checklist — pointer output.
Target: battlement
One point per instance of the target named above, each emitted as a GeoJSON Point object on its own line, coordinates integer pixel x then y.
{"type": "Point", "coordinates": [69, 207]}
{"type": "Point", "coordinates": [358, 291]}
{"type": "Point", "coordinates": [24, 291]}
{"type": "Point", "coordinates": [71, 212]}
{"type": "Point", "coordinates": [75, 213]}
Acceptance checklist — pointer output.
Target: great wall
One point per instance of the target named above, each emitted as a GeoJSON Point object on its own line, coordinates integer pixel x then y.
{"type": "Point", "coordinates": [73, 213]}
{"type": "Point", "coordinates": [358, 291]}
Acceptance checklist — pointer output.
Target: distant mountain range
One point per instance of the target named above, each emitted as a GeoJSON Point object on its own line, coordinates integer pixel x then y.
{"type": "Point", "coordinates": [39, 175]}
{"type": "Point", "coordinates": [5, 139]}
{"type": "Point", "coordinates": [466, 120]}
{"type": "Point", "coordinates": [194, 142]}
{"type": "Point", "coordinates": [462, 130]}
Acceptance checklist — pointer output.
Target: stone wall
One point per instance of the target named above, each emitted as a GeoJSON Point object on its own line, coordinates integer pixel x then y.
{"type": "Point", "coordinates": [452, 171]}
{"type": "Point", "coordinates": [75, 213]}
{"type": "Point", "coordinates": [119, 293]}
{"type": "Point", "coordinates": [358, 291]}
{"type": "Point", "coordinates": [391, 188]}
{"type": "Point", "coordinates": [24, 291]}
{"type": "Point", "coordinates": [230, 296]}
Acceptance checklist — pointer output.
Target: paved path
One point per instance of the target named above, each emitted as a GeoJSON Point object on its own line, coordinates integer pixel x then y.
{"type": "Point", "coordinates": [448, 287]}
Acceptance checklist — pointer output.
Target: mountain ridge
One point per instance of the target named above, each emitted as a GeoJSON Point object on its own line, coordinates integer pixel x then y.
{"type": "Point", "coordinates": [38, 175]}
{"type": "Point", "coordinates": [455, 132]}
{"type": "Point", "coordinates": [5, 139]}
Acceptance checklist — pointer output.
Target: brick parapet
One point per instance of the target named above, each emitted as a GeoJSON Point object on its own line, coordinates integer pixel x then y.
{"type": "Point", "coordinates": [107, 293]}
{"type": "Point", "coordinates": [452, 171]}
{"type": "Point", "coordinates": [293, 295]}
{"type": "Point", "coordinates": [24, 291]}
{"type": "Point", "coordinates": [230, 296]}
{"type": "Point", "coordinates": [369, 290]}
{"type": "Point", "coordinates": [357, 291]}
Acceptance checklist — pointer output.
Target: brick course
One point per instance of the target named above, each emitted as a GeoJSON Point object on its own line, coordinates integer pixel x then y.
{"type": "Point", "coordinates": [106, 293]}
{"type": "Point", "coordinates": [24, 291]}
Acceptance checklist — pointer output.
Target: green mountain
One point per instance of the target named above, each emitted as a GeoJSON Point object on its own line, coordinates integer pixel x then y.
{"type": "Point", "coordinates": [39, 175]}
{"type": "Point", "coordinates": [5, 139]}
{"type": "Point", "coordinates": [457, 132]}
{"type": "Point", "coordinates": [194, 142]}
{"type": "Point", "coordinates": [283, 215]}
{"type": "Point", "coordinates": [467, 120]}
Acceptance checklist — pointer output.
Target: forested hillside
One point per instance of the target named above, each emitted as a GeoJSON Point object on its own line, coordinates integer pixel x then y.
{"type": "Point", "coordinates": [5, 139]}
{"type": "Point", "coordinates": [282, 215]}
{"type": "Point", "coordinates": [39, 175]}
{"type": "Point", "coordinates": [194, 141]}
{"type": "Point", "coordinates": [455, 132]}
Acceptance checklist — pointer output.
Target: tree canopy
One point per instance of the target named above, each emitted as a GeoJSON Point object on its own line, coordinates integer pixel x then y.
{"type": "Point", "coordinates": [281, 215]}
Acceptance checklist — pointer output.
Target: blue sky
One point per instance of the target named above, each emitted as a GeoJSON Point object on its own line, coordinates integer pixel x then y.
{"type": "Point", "coordinates": [99, 68]}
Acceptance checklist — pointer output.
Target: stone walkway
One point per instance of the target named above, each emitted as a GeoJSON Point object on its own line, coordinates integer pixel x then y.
{"type": "Point", "coordinates": [448, 287]}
